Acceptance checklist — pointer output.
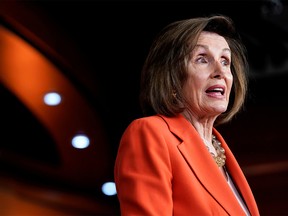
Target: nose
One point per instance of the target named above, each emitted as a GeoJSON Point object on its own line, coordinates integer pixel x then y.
{"type": "Point", "coordinates": [218, 70]}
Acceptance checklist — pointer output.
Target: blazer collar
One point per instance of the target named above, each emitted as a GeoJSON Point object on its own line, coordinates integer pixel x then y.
{"type": "Point", "coordinates": [238, 177]}
{"type": "Point", "coordinates": [202, 164]}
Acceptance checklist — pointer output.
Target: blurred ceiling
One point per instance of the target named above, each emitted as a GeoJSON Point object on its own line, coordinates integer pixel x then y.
{"type": "Point", "coordinates": [92, 53]}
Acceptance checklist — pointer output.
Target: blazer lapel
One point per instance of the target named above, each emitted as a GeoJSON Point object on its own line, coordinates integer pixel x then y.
{"type": "Point", "coordinates": [202, 164]}
{"type": "Point", "coordinates": [238, 177]}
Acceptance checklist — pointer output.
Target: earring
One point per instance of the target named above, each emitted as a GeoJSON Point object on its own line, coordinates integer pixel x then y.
{"type": "Point", "coordinates": [174, 94]}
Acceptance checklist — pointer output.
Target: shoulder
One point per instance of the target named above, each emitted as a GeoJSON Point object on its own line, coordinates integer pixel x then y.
{"type": "Point", "coordinates": [147, 123]}
{"type": "Point", "coordinates": [148, 120]}
{"type": "Point", "coordinates": [144, 133]}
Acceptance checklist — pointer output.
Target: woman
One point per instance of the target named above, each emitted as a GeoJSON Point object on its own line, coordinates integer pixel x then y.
{"type": "Point", "coordinates": [173, 161]}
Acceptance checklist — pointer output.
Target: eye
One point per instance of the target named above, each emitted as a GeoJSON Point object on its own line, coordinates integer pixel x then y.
{"type": "Point", "coordinates": [201, 59]}
{"type": "Point", "coordinates": [225, 62]}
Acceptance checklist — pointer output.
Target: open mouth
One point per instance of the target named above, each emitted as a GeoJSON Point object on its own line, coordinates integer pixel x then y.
{"type": "Point", "coordinates": [218, 90]}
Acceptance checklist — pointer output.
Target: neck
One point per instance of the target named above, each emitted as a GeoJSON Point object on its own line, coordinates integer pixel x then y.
{"type": "Point", "coordinates": [203, 126]}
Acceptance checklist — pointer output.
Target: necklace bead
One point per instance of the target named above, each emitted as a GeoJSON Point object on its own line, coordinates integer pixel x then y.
{"type": "Point", "coordinates": [221, 157]}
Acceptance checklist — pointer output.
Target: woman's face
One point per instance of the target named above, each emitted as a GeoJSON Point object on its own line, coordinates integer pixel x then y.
{"type": "Point", "coordinates": [209, 76]}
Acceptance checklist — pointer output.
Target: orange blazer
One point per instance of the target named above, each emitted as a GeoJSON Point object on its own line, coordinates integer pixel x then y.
{"type": "Point", "coordinates": [163, 168]}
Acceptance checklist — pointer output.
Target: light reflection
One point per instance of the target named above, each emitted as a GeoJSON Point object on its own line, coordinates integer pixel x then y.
{"type": "Point", "coordinates": [52, 99]}
{"type": "Point", "coordinates": [80, 141]}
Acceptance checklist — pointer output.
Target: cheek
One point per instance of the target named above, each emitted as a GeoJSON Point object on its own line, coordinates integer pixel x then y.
{"type": "Point", "coordinates": [229, 84]}
{"type": "Point", "coordinates": [193, 92]}
{"type": "Point", "coordinates": [192, 85]}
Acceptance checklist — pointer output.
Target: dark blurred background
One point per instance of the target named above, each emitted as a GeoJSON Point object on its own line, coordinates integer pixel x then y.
{"type": "Point", "coordinates": [91, 54]}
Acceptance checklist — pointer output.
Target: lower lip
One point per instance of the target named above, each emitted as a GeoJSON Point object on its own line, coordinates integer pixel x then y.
{"type": "Point", "coordinates": [215, 95]}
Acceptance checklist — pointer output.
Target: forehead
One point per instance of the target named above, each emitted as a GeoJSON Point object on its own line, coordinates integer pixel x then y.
{"type": "Point", "coordinates": [211, 38]}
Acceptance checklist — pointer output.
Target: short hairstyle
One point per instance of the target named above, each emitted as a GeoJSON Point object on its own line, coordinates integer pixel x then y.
{"type": "Point", "coordinates": [164, 71]}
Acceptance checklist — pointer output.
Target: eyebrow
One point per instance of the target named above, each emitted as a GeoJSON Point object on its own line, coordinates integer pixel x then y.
{"type": "Point", "coordinates": [207, 48]}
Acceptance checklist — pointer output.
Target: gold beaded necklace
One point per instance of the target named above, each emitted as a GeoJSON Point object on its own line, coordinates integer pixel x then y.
{"type": "Point", "coordinates": [221, 157]}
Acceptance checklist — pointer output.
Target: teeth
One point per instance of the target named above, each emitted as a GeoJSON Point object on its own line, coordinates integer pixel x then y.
{"type": "Point", "coordinates": [218, 89]}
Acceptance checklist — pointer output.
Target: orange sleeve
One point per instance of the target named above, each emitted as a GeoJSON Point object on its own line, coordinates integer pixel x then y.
{"type": "Point", "coordinates": [142, 170]}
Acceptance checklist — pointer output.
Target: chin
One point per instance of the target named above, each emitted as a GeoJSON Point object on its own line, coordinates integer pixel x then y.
{"type": "Point", "coordinates": [220, 109]}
